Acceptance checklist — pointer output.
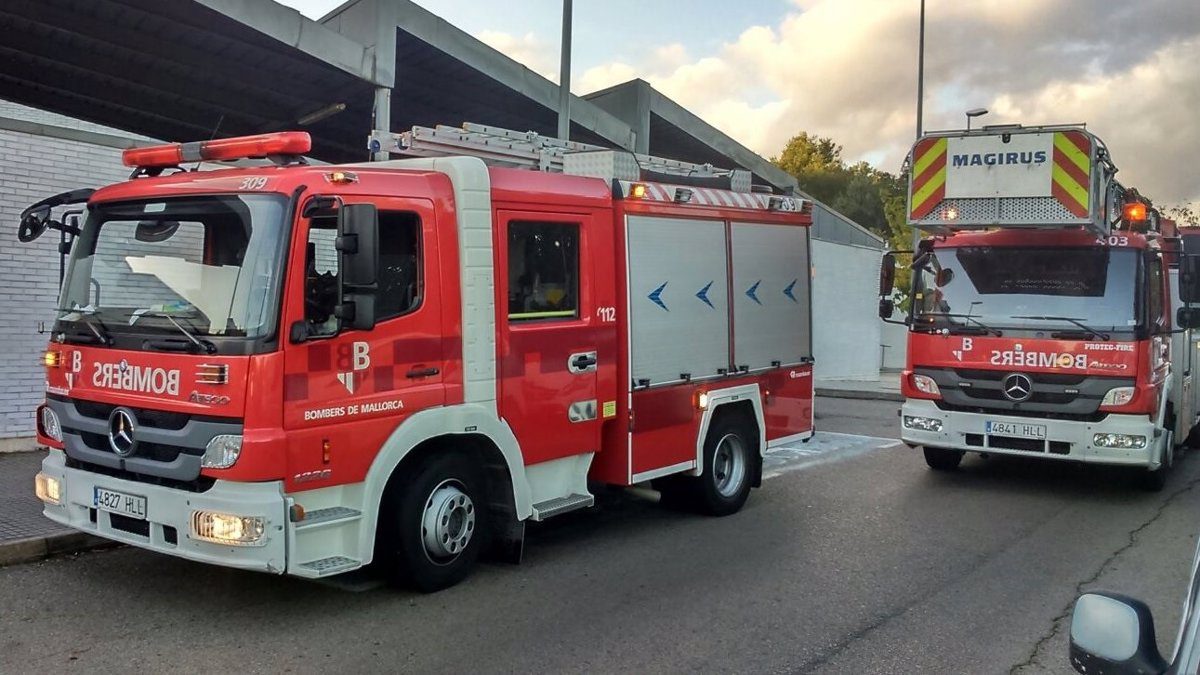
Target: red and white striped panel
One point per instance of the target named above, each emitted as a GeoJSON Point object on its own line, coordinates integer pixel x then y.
{"type": "Point", "coordinates": [663, 192]}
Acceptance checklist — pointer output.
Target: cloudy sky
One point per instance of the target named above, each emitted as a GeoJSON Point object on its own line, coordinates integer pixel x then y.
{"type": "Point", "coordinates": [764, 70]}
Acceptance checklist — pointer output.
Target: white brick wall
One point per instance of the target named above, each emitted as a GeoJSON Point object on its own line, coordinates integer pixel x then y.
{"type": "Point", "coordinates": [32, 168]}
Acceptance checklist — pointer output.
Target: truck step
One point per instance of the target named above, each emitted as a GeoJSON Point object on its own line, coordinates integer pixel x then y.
{"type": "Point", "coordinates": [329, 516]}
{"type": "Point", "coordinates": [329, 566]}
{"type": "Point", "coordinates": [561, 505]}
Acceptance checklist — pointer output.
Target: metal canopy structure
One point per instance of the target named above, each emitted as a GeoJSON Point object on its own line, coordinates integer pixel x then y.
{"type": "Point", "coordinates": [189, 70]}
{"type": "Point", "coordinates": [183, 69]}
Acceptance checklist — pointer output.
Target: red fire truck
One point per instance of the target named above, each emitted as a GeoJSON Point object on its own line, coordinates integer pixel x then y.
{"type": "Point", "coordinates": [1042, 305]}
{"type": "Point", "coordinates": [304, 369]}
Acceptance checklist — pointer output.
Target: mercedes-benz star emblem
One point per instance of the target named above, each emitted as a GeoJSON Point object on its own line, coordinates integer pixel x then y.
{"type": "Point", "coordinates": [121, 429]}
{"type": "Point", "coordinates": [1018, 387]}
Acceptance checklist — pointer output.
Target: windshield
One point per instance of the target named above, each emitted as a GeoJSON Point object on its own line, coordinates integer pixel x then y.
{"type": "Point", "coordinates": [995, 287]}
{"type": "Point", "coordinates": [209, 264]}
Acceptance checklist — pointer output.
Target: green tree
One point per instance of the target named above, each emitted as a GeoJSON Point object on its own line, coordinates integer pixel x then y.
{"type": "Point", "coordinates": [872, 198]}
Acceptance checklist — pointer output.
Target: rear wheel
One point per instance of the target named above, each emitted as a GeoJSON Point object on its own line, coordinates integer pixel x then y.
{"type": "Point", "coordinates": [943, 459]}
{"type": "Point", "coordinates": [436, 523]}
{"type": "Point", "coordinates": [731, 460]}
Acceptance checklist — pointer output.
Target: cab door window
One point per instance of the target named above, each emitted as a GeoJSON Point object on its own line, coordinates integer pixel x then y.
{"type": "Point", "coordinates": [321, 278]}
{"type": "Point", "coordinates": [400, 271]}
{"type": "Point", "coordinates": [543, 271]}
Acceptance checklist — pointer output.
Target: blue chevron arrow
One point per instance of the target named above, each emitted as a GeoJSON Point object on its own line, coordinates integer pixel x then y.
{"type": "Point", "coordinates": [752, 293]}
{"type": "Point", "coordinates": [788, 291]}
{"type": "Point", "coordinates": [656, 296]}
{"type": "Point", "coordinates": [703, 294]}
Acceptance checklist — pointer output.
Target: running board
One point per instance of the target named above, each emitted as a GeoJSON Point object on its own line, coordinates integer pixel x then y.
{"type": "Point", "coordinates": [561, 505]}
{"type": "Point", "coordinates": [328, 566]}
{"type": "Point", "coordinates": [334, 515]}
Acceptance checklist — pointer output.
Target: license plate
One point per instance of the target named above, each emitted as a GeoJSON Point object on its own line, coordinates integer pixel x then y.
{"type": "Point", "coordinates": [119, 502]}
{"type": "Point", "coordinates": [1016, 430]}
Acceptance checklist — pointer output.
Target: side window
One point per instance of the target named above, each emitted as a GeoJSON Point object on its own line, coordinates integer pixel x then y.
{"type": "Point", "coordinates": [1156, 292]}
{"type": "Point", "coordinates": [400, 265]}
{"type": "Point", "coordinates": [543, 271]}
{"type": "Point", "coordinates": [321, 278]}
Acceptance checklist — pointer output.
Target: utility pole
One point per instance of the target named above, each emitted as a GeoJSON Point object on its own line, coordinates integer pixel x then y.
{"type": "Point", "coordinates": [564, 76]}
{"type": "Point", "coordinates": [916, 235]}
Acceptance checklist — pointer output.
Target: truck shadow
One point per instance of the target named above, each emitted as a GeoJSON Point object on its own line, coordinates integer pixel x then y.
{"type": "Point", "coordinates": [1032, 475]}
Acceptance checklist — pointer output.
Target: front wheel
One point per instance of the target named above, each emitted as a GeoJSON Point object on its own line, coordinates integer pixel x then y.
{"type": "Point", "coordinates": [1155, 481]}
{"type": "Point", "coordinates": [943, 459]}
{"type": "Point", "coordinates": [435, 523]}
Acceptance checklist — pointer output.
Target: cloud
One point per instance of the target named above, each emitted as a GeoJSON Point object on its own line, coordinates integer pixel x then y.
{"type": "Point", "coordinates": [529, 50]}
{"type": "Point", "coordinates": [847, 69]}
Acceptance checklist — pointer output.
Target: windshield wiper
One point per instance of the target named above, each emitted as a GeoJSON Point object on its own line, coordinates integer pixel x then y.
{"type": "Point", "coordinates": [204, 345]}
{"type": "Point", "coordinates": [1082, 326]}
{"type": "Point", "coordinates": [982, 326]}
{"type": "Point", "coordinates": [95, 325]}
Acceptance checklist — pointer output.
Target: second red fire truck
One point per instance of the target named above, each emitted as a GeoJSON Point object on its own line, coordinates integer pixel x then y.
{"type": "Point", "coordinates": [305, 369]}
{"type": "Point", "coordinates": [1043, 306]}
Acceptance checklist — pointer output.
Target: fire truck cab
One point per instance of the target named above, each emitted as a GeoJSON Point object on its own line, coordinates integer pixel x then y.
{"type": "Point", "coordinates": [305, 369]}
{"type": "Point", "coordinates": [1043, 306]}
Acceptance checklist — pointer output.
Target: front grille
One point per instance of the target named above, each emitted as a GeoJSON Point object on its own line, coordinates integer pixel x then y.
{"type": "Point", "coordinates": [1040, 414]}
{"type": "Point", "coordinates": [159, 419]}
{"type": "Point", "coordinates": [1011, 443]}
{"type": "Point", "coordinates": [130, 525]}
{"type": "Point", "coordinates": [1059, 379]}
{"type": "Point", "coordinates": [158, 452]}
{"type": "Point", "coordinates": [199, 484]}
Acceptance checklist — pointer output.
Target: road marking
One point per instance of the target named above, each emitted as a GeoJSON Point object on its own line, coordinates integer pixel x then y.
{"type": "Point", "coordinates": [823, 448]}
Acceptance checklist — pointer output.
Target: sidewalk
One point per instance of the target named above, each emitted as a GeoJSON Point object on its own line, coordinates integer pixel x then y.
{"type": "Point", "coordinates": [25, 534]}
{"type": "Point", "coordinates": [885, 388]}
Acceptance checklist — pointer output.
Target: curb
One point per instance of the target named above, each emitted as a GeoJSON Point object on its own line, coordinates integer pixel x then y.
{"type": "Point", "coordinates": [860, 394]}
{"type": "Point", "coordinates": [32, 549]}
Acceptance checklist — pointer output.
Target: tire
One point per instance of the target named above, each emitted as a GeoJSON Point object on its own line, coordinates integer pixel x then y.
{"type": "Point", "coordinates": [1155, 481]}
{"type": "Point", "coordinates": [942, 459]}
{"type": "Point", "coordinates": [731, 459]}
{"type": "Point", "coordinates": [435, 523]}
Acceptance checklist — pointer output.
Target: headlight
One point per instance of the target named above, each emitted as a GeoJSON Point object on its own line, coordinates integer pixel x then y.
{"type": "Point", "coordinates": [49, 421]}
{"type": "Point", "coordinates": [222, 451]}
{"type": "Point", "coordinates": [925, 384]}
{"type": "Point", "coordinates": [1122, 441]}
{"type": "Point", "coordinates": [1119, 396]}
{"type": "Point", "coordinates": [225, 528]}
{"type": "Point", "coordinates": [922, 423]}
{"type": "Point", "coordinates": [47, 489]}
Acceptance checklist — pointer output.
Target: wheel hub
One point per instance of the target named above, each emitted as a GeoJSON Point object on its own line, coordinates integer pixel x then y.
{"type": "Point", "coordinates": [448, 522]}
{"type": "Point", "coordinates": [729, 465]}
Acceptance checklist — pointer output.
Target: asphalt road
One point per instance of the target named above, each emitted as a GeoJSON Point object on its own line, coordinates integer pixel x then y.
{"type": "Point", "coordinates": [869, 563]}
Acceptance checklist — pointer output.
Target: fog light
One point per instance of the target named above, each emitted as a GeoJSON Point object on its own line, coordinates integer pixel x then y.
{"type": "Point", "coordinates": [1122, 441]}
{"type": "Point", "coordinates": [925, 384]}
{"type": "Point", "coordinates": [47, 489]}
{"type": "Point", "coordinates": [224, 528]}
{"type": "Point", "coordinates": [50, 425]}
{"type": "Point", "coordinates": [222, 451]}
{"type": "Point", "coordinates": [922, 423]}
{"type": "Point", "coordinates": [1118, 396]}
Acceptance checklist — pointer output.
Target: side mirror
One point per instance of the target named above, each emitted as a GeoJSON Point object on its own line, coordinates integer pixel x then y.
{"type": "Point", "coordinates": [358, 259]}
{"type": "Point", "coordinates": [358, 244]}
{"type": "Point", "coordinates": [1188, 317]}
{"type": "Point", "coordinates": [1113, 633]}
{"type": "Point", "coordinates": [887, 276]}
{"type": "Point", "coordinates": [33, 224]}
{"type": "Point", "coordinates": [1189, 278]}
{"type": "Point", "coordinates": [886, 308]}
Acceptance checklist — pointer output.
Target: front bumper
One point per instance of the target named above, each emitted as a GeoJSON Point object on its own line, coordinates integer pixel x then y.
{"type": "Point", "coordinates": [170, 509]}
{"type": "Point", "coordinates": [1065, 439]}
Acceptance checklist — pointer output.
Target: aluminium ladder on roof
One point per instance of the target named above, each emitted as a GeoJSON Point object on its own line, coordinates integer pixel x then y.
{"type": "Point", "coordinates": [531, 150]}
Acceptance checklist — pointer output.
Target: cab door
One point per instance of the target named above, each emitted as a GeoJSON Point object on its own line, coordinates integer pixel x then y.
{"type": "Point", "coordinates": [548, 345]}
{"type": "Point", "coordinates": [346, 390]}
